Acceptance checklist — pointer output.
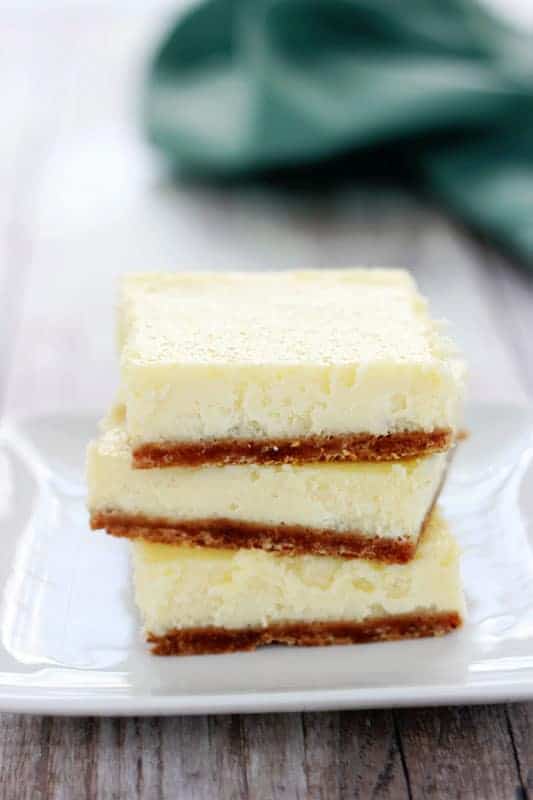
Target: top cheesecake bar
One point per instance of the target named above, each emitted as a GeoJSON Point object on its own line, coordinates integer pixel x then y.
{"type": "Point", "coordinates": [273, 367]}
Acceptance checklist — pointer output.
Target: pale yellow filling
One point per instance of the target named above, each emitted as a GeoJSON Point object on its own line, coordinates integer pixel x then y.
{"type": "Point", "coordinates": [182, 587]}
{"type": "Point", "coordinates": [375, 499]}
{"type": "Point", "coordinates": [293, 354]}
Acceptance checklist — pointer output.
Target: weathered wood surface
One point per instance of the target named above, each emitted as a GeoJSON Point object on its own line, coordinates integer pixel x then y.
{"type": "Point", "coordinates": [81, 202]}
{"type": "Point", "coordinates": [480, 752]}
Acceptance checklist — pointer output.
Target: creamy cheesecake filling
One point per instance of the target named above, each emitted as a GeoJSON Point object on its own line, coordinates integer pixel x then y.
{"type": "Point", "coordinates": [289, 356]}
{"type": "Point", "coordinates": [188, 594]}
{"type": "Point", "coordinates": [197, 403]}
{"type": "Point", "coordinates": [375, 500]}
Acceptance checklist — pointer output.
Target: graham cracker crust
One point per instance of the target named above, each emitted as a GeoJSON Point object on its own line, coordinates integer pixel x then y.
{"type": "Point", "coordinates": [348, 447]}
{"type": "Point", "coordinates": [235, 534]}
{"type": "Point", "coordinates": [200, 641]}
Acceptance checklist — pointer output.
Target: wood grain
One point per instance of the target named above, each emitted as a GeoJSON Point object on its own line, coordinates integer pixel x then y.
{"type": "Point", "coordinates": [353, 754]}
{"type": "Point", "coordinates": [81, 202]}
{"type": "Point", "coordinates": [459, 753]}
{"type": "Point", "coordinates": [426, 753]}
{"type": "Point", "coordinates": [520, 718]}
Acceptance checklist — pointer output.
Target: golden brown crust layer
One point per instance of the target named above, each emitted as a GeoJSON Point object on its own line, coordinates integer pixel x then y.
{"type": "Point", "coordinates": [198, 641]}
{"type": "Point", "coordinates": [233, 535]}
{"type": "Point", "coordinates": [349, 447]}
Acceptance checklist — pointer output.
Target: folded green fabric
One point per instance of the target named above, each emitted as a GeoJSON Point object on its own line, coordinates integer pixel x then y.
{"type": "Point", "coordinates": [246, 86]}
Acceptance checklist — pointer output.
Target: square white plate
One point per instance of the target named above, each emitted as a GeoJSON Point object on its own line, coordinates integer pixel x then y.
{"type": "Point", "coordinates": [69, 632]}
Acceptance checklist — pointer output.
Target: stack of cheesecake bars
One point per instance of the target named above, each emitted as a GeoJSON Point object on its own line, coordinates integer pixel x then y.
{"type": "Point", "coordinates": [275, 455]}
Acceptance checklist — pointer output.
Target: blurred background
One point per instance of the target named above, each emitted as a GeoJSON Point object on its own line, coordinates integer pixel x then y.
{"type": "Point", "coordinates": [126, 144]}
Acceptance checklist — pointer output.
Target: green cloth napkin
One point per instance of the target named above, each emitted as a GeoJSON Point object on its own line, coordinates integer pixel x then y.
{"type": "Point", "coordinates": [436, 89]}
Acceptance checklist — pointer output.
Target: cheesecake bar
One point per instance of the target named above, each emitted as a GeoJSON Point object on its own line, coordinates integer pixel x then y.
{"type": "Point", "coordinates": [284, 367]}
{"type": "Point", "coordinates": [368, 510]}
{"type": "Point", "coordinates": [201, 600]}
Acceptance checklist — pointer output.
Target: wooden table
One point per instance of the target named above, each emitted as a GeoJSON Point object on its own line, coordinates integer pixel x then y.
{"type": "Point", "coordinates": [82, 200]}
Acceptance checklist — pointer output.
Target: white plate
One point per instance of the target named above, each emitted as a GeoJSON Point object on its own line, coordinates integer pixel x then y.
{"type": "Point", "coordinates": [69, 632]}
